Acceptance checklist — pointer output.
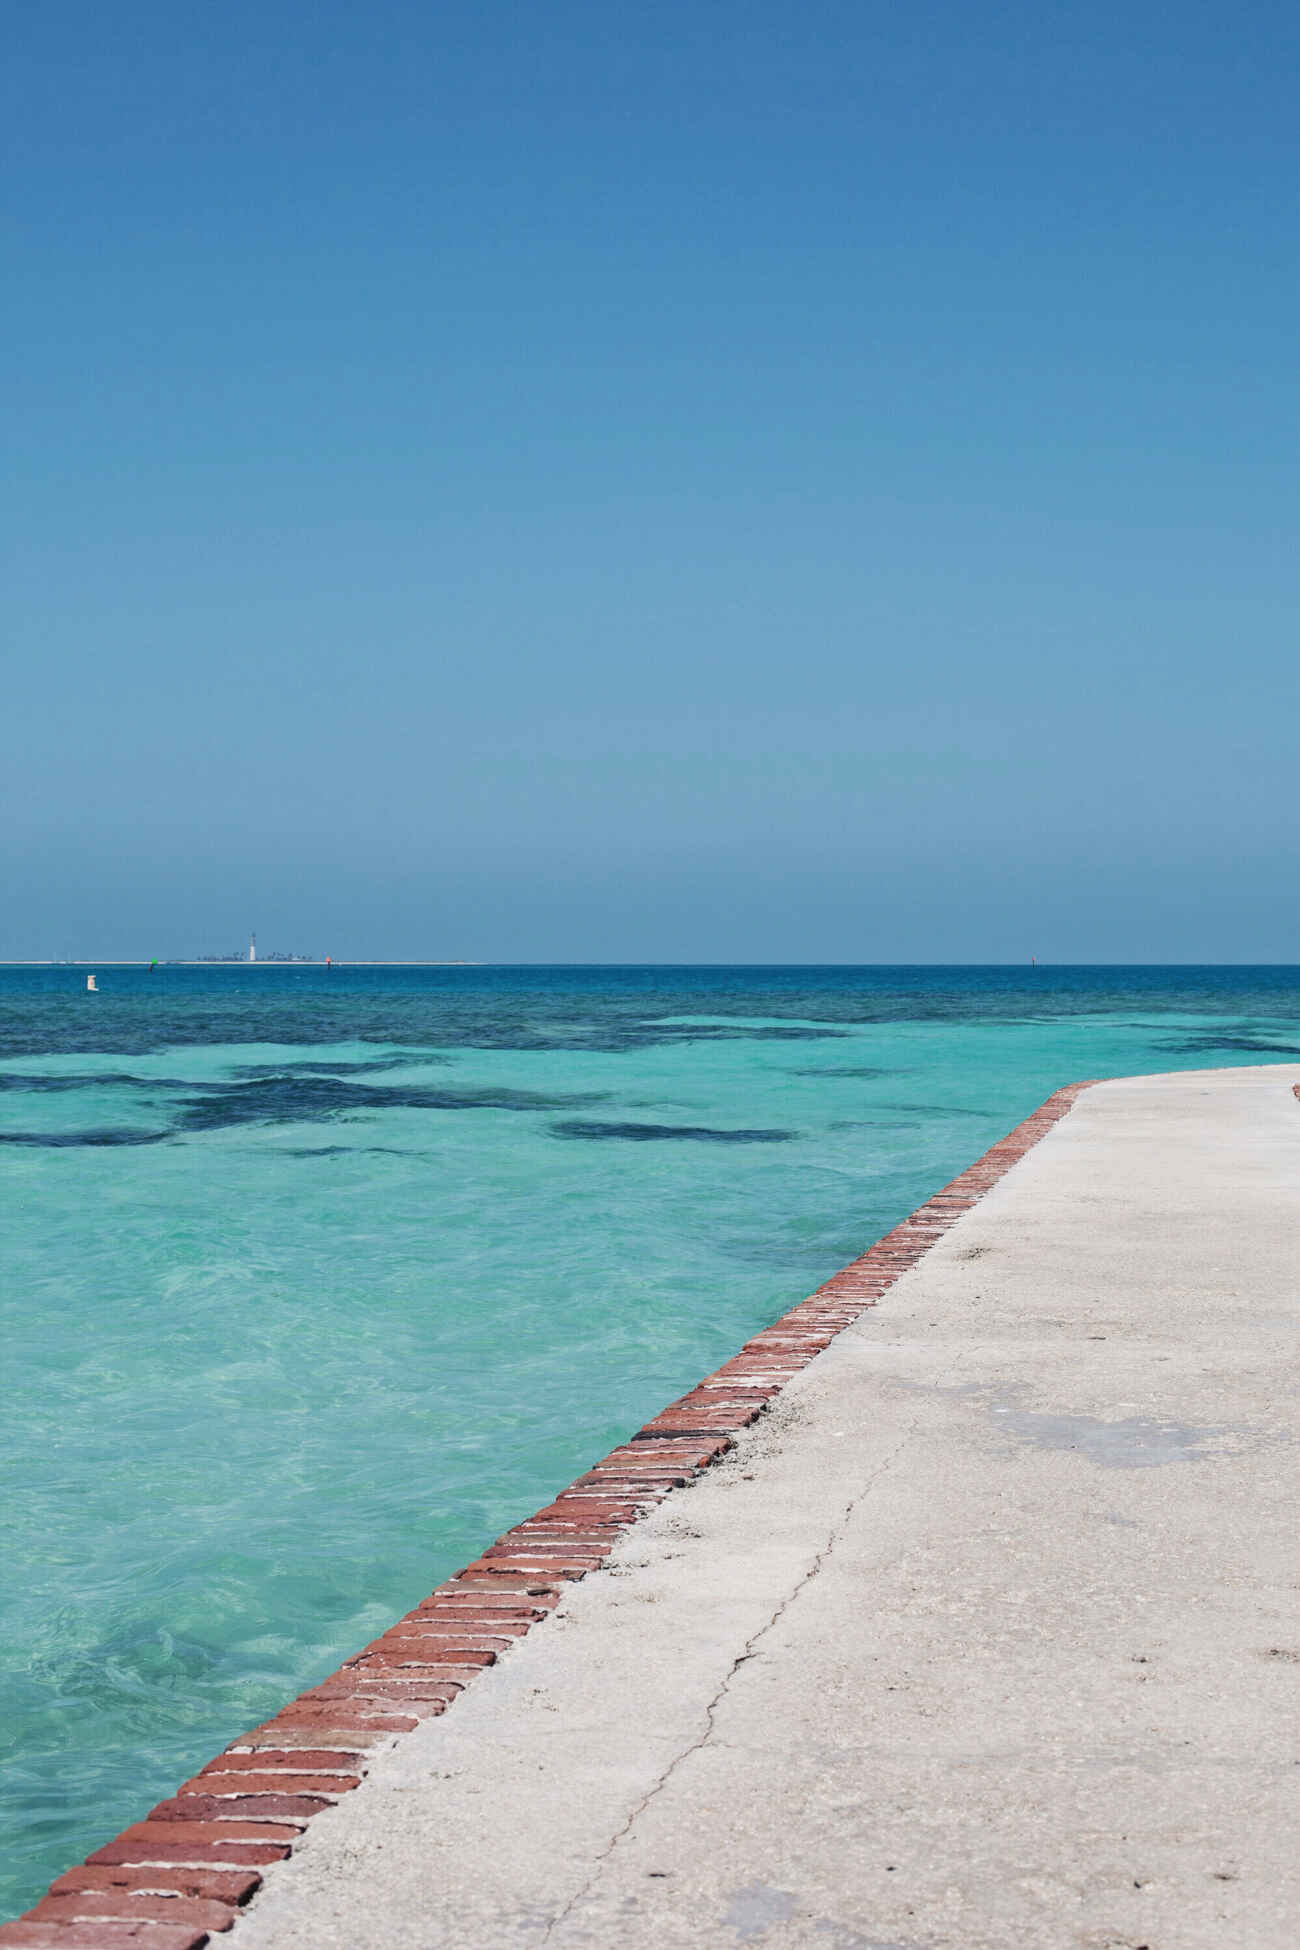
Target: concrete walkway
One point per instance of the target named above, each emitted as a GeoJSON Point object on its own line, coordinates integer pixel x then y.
{"type": "Point", "coordinates": [987, 1636]}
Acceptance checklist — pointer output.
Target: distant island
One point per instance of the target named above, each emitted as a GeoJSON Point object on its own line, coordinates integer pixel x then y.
{"type": "Point", "coordinates": [244, 956]}
{"type": "Point", "coordinates": [224, 961]}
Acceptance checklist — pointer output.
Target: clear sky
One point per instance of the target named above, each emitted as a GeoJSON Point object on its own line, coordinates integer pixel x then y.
{"type": "Point", "coordinates": [679, 481]}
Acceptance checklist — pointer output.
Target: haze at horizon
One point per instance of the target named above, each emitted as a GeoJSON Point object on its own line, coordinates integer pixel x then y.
{"type": "Point", "coordinates": [701, 485]}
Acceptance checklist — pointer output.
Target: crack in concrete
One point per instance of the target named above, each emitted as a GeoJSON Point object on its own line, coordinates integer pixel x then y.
{"type": "Point", "coordinates": [746, 1653]}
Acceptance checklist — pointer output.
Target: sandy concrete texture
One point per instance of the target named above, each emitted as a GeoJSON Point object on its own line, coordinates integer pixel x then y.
{"type": "Point", "coordinates": [986, 1636]}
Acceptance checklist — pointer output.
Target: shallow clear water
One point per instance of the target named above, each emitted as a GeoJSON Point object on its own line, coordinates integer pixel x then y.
{"type": "Point", "coordinates": [312, 1283]}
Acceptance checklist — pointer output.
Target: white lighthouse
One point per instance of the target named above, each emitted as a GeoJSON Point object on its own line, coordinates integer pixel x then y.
{"type": "Point", "coordinates": [252, 947]}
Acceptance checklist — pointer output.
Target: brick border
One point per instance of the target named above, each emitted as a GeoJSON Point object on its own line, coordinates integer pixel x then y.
{"type": "Point", "coordinates": [170, 1880]}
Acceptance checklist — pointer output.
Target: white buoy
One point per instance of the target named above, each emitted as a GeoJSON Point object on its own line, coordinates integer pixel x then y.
{"type": "Point", "coordinates": [90, 984]}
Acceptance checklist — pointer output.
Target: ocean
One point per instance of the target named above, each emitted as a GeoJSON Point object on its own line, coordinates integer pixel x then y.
{"type": "Point", "coordinates": [314, 1281]}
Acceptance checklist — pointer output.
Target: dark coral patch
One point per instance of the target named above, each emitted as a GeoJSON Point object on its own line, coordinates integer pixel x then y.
{"type": "Point", "coordinates": [72, 1140]}
{"type": "Point", "coordinates": [290, 1097]}
{"type": "Point", "coordinates": [651, 1133]}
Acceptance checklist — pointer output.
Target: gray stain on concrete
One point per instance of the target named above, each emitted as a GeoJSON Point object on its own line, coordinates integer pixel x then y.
{"type": "Point", "coordinates": [1135, 1442]}
{"type": "Point", "coordinates": [754, 1909]}
{"type": "Point", "coordinates": [1128, 1442]}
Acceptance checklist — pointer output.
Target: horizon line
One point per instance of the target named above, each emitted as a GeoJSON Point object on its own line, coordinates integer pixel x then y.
{"type": "Point", "coordinates": [335, 961]}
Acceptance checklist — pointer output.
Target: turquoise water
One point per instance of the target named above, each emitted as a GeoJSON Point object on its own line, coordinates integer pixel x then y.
{"type": "Point", "coordinates": [313, 1283]}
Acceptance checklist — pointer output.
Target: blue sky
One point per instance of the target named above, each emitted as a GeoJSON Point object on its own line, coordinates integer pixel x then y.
{"type": "Point", "coordinates": [672, 482]}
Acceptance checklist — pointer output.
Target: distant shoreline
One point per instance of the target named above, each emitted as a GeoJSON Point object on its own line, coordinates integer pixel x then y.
{"type": "Point", "coordinates": [176, 961]}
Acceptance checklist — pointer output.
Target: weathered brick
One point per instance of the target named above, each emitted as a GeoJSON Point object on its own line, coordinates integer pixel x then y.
{"type": "Point", "coordinates": [478, 1577]}
{"type": "Point", "coordinates": [194, 1829]}
{"type": "Point", "coordinates": [568, 1569]}
{"type": "Point", "coordinates": [285, 1735]}
{"type": "Point", "coordinates": [380, 1692]}
{"type": "Point", "coordinates": [572, 1507]}
{"type": "Point", "coordinates": [259, 1855]}
{"type": "Point", "coordinates": [412, 1693]}
{"type": "Point", "coordinates": [106, 1934]}
{"type": "Point", "coordinates": [321, 1759]}
{"type": "Point", "coordinates": [421, 1648]}
{"type": "Point", "coordinates": [216, 1885]}
{"type": "Point", "coordinates": [242, 1782]}
{"type": "Point", "coordinates": [496, 1627]}
{"type": "Point", "coordinates": [342, 1717]}
{"type": "Point", "coordinates": [403, 1665]}
{"type": "Point", "coordinates": [121, 1905]}
{"type": "Point", "coordinates": [526, 1547]}
{"type": "Point", "coordinates": [460, 1648]}
{"type": "Point", "coordinates": [477, 1599]}
{"type": "Point", "coordinates": [291, 1809]}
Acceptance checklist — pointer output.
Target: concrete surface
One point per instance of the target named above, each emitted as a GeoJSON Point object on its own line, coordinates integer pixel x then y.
{"type": "Point", "coordinates": [987, 1636]}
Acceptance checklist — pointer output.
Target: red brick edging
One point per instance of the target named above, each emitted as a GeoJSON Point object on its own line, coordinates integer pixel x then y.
{"type": "Point", "coordinates": [168, 1881]}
